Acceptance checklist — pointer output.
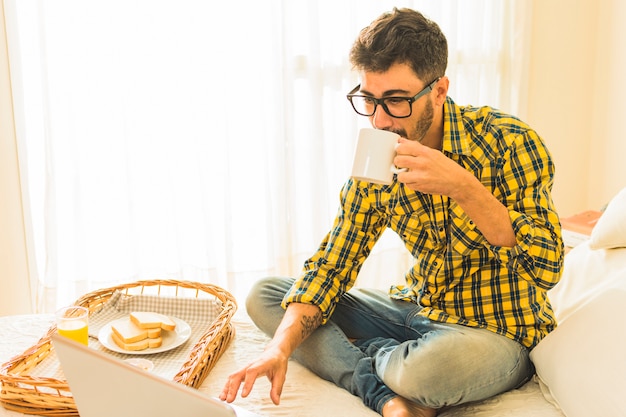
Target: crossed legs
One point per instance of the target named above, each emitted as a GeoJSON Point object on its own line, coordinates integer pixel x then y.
{"type": "Point", "coordinates": [399, 361]}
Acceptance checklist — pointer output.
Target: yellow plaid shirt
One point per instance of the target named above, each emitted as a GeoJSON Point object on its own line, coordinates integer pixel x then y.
{"type": "Point", "coordinates": [458, 277]}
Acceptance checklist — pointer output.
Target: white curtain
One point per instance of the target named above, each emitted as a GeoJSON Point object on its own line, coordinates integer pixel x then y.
{"type": "Point", "coordinates": [208, 141]}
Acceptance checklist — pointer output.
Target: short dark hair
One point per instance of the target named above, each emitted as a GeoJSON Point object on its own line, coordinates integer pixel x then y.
{"type": "Point", "coordinates": [403, 36]}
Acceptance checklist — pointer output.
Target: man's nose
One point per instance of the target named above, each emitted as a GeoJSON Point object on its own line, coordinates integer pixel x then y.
{"type": "Point", "coordinates": [380, 119]}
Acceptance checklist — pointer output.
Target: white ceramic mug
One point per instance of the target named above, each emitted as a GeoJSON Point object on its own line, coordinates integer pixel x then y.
{"type": "Point", "coordinates": [373, 157]}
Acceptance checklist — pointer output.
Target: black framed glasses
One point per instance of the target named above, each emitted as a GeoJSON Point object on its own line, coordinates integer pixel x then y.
{"type": "Point", "coordinates": [398, 107]}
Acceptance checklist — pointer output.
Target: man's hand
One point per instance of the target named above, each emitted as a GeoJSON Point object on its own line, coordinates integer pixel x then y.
{"type": "Point", "coordinates": [271, 363]}
{"type": "Point", "coordinates": [299, 321]}
{"type": "Point", "coordinates": [429, 171]}
{"type": "Point", "coordinates": [432, 172]}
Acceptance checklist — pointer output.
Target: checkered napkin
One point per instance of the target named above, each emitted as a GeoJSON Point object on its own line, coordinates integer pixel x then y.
{"type": "Point", "coordinates": [198, 313]}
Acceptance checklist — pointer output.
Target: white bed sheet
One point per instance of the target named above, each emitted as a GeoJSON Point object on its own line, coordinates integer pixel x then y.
{"type": "Point", "coordinates": [305, 394]}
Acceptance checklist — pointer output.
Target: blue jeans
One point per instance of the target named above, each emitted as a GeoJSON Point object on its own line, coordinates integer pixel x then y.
{"type": "Point", "coordinates": [396, 351]}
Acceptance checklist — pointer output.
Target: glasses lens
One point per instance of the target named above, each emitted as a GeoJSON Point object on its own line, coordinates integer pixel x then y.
{"type": "Point", "coordinates": [398, 107]}
{"type": "Point", "coordinates": [395, 106]}
{"type": "Point", "coordinates": [363, 105]}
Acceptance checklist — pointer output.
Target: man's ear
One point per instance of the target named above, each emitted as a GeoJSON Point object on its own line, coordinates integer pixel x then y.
{"type": "Point", "coordinates": [441, 90]}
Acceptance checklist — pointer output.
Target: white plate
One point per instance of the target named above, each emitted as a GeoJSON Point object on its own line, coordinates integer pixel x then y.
{"type": "Point", "coordinates": [171, 339]}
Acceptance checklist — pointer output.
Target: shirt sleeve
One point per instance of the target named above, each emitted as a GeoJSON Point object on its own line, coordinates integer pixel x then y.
{"type": "Point", "coordinates": [333, 269]}
{"type": "Point", "coordinates": [526, 190]}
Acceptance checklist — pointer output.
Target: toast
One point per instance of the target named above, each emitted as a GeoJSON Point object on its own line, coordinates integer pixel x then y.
{"type": "Point", "coordinates": [142, 330]}
{"type": "Point", "coordinates": [127, 332]}
{"type": "Point", "coordinates": [150, 320]}
{"type": "Point", "coordinates": [138, 345]}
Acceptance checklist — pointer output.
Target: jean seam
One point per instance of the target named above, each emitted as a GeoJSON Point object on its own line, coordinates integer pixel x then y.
{"type": "Point", "coordinates": [408, 328]}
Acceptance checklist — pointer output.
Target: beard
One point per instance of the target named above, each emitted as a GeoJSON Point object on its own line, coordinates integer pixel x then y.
{"type": "Point", "coordinates": [421, 125]}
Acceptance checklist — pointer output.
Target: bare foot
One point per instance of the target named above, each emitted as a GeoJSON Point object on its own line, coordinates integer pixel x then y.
{"type": "Point", "coordinates": [401, 407]}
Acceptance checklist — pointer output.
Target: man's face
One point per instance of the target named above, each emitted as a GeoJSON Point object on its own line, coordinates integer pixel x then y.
{"type": "Point", "coordinates": [400, 80]}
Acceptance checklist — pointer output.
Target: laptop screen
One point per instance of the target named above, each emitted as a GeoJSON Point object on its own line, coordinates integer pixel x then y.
{"type": "Point", "coordinates": [104, 386]}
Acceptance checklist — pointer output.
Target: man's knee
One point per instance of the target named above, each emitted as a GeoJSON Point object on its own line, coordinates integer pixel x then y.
{"type": "Point", "coordinates": [454, 367]}
{"type": "Point", "coordinates": [263, 303]}
{"type": "Point", "coordinates": [416, 372]}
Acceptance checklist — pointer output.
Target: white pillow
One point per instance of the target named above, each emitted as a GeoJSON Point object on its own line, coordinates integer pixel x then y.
{"type": "Point", "coordinates": [582, 360]}
{"type": "Point", "coordinates": [586, 273]}
{"type": "Point", "coordinates": [610, 231]}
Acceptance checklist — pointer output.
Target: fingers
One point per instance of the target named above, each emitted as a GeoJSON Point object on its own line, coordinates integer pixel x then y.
{"type": "Point", "coordinates": [406, 146]}
{"type": "Point", "coordinates": [248, 377]}
{"type": "Point", "coordinates": [277, 387]}
{"type": "Point", "coordinates": [229, 392]}
{"type": "Point", "coordinates": [405, 158]}
{"type": "Point", "coordinates": [402, 151]}
{"type": "Point", "coordinates": [248, 383]}
{"type": "Point", "coordinates": [418, 165]}
{"type": "Point", "coordinates": [407, 150]}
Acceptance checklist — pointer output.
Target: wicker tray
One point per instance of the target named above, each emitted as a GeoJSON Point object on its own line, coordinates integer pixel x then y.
{"type": "Point", "coordinates": [46, 396]}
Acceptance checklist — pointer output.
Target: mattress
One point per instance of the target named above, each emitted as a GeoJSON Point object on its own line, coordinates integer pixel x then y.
{"type": "Point", "coordinates": [305, 394]}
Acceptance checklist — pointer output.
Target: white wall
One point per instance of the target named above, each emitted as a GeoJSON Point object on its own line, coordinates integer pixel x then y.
{"type": "Point", "coordinates": [608, 137]}
{"type": "Point", "coordinates": [577, 87]}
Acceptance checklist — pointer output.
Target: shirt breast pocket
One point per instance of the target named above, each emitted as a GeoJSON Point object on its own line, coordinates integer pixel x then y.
{"type": "Point", "coordinates": [465, 238]}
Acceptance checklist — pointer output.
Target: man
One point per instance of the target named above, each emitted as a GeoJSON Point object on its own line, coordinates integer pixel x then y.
{"type": "Point", "coordinates": [475, 210]}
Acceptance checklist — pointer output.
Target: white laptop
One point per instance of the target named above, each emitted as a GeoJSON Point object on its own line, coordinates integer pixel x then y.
{"type": "Point", "coordinates": [104, 386]}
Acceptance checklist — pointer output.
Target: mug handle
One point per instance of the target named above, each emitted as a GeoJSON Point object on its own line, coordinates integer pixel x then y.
{"type": "Point", "coordinates": [397, 170]}
{"type": "Point", "coordinates": [394, 168]}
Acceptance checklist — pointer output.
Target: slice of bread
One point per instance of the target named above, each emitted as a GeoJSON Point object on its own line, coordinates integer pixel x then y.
{"type": "Point", "coordinates": [127, 332]}
{"type": "Point", "coordinates": [129, 336]}
{"type": "Point", "coordinates": [155, 343]}
{"type": "Point", "coordinates": [139, 345]}
{"type": "Point", "coordinates": [154, 333]}
{"type": "Point", "coordinates": [149, 320]}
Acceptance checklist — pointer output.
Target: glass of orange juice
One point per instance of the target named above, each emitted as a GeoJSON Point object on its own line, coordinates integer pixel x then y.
{"type": "Point", "coordinates": [73, 322]}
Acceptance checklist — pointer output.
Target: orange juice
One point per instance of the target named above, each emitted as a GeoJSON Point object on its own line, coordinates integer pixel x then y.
{"type": "Point", "coordinates": [72, 322]}
{"type": "Point", "coordinates": [75, 330]}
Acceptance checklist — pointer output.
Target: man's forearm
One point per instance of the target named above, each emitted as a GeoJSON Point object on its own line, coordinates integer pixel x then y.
{"type": "Point", "coordinates": [299, 322]}
{"type": "Point", "coordinates": [489, 215]}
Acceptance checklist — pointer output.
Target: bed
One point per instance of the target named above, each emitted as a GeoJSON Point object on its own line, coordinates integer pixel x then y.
{"type": "Point", "coordinates": [305, 394]}
{"type": "Point", "coordinates": [580, 366]}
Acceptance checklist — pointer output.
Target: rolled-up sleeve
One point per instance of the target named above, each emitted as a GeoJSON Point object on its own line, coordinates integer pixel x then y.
{"type": "Point", "coordinates": [333, 269]}
{"type": "Point", "coordinates": [526, 190]}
